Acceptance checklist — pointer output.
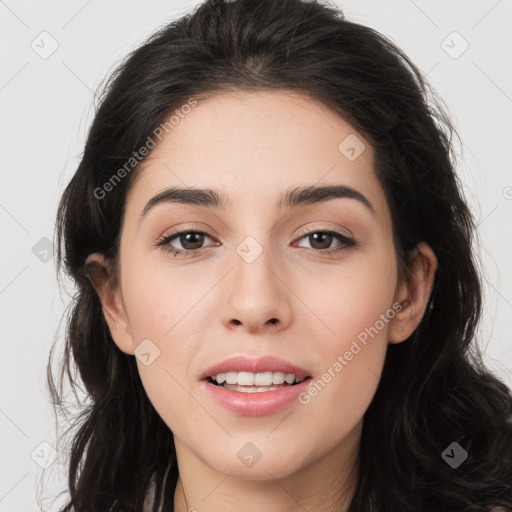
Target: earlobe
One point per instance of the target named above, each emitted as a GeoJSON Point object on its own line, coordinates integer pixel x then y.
{"type": "Point", "coordinates": [99, 271]}
{"type": "Point", "coordinates": [414, 294]}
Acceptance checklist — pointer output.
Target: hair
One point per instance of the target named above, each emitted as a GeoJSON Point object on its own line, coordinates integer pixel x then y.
{"type": "Point", "coordinates": [434, 389]}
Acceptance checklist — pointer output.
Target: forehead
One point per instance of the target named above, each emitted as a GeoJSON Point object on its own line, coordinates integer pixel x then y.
{"type": "Point", "coordinates": [254, 145]}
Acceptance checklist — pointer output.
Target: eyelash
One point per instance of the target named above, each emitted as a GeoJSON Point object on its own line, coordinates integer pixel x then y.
{"type": "Point", "coordinates": [164, 242]}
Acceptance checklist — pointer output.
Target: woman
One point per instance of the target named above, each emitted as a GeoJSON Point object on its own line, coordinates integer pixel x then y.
{"type": "Point", "coordinates": [234, 359]}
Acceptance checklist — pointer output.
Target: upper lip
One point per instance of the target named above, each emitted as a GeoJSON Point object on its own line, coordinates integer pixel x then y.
{"type": "Point", "coordinates": [255, 365]}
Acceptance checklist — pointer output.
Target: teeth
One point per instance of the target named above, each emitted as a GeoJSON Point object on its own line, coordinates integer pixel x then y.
{"type": "Point", "coordinates": [253, 389]}
{"type": "Point", "coordinates": [289, 377]}
{"type": "Point", "coordinates": [256, 379]}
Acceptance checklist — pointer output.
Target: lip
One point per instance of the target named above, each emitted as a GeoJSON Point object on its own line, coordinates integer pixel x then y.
{"type": "Point", "coordinates": [254, 404]}
{"type": "Point", "coordinates": [257, 365]}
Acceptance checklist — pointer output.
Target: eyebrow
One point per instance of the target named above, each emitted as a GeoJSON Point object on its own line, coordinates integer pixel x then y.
{"type": "Point", "coordinates": [291, 198]}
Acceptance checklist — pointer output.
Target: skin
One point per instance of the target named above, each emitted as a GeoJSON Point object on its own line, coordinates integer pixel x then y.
{"type": "Point", "coordinates": [200, 310]}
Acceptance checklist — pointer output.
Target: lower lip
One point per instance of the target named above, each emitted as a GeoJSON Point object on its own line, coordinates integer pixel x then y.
{"type": "Point", "coordinates": [258, 403]}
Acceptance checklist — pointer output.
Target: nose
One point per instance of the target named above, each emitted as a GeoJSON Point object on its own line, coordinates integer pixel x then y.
{"type": "Point", "coordinates": [255, 296]}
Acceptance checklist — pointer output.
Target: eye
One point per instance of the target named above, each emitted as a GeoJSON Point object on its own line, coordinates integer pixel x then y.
{"type": "Point", "coordinates": [190, 240]}
{"type": "Point", "coordinates": [322, 240]}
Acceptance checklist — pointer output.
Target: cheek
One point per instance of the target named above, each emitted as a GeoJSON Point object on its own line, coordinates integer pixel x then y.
{"type": "Point", "coordinates": [356, 309]}
{"type": "Point", "coordinates": [163, 314]}
{"type": "Point", "coordinates": [159, 297]}
{"type": "Point", "coordinates": [349, 298]}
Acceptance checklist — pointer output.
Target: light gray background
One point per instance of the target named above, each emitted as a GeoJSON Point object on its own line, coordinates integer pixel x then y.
{"type": "Point", "coordinates": [47, 106]}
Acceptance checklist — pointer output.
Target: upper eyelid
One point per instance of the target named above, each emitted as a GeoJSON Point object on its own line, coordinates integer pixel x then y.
{"type": "Point", "coordinates": [308, 231]}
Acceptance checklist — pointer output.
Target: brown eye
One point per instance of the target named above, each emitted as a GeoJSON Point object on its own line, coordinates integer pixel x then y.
{"type": "Point", "coordinates": [320, 240]}
{"type": "Point", "coordinates": [191, 240]}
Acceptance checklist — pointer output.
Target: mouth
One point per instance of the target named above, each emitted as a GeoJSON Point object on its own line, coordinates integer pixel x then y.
{"type": "Point", "coordinates": [247, 382]}
{"type": "Point", "coordinates": [247, 386]}
{"type": "Point", "coordinates": [250, 394]}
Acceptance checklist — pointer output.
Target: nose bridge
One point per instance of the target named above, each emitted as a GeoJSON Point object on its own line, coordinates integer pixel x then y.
{"type": "Point", "coordinates": [256, 294]}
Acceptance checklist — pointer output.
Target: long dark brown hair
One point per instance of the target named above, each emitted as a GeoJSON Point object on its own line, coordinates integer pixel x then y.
{"type": "Point", "coordinates": [434, 389]}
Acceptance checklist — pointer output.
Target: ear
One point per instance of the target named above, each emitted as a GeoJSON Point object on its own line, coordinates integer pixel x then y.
{"type": "Point", "coordinates": [100, 273]}
{"type": "Point", "coordinates": [413, 295]}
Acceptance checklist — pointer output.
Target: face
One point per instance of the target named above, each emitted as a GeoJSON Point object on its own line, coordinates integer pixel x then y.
{"type": "Point", "coordinates": [313, 284]}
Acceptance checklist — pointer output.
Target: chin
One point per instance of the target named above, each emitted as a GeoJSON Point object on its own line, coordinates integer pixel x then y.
{"type": "Point", "coordinates": [258, 460]}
